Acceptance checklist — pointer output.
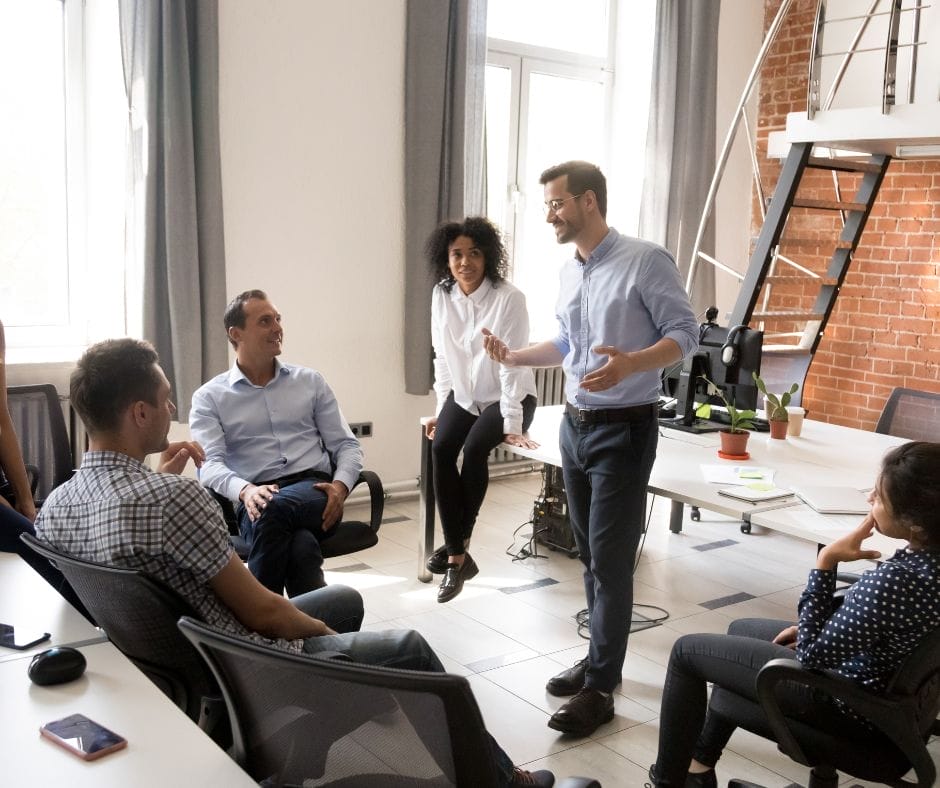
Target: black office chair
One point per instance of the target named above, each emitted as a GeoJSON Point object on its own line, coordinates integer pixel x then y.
{"type": "Point", "coordinates": [139, 614]}
{"type": "Point", "coordinates": [43, 437]}
{"type": "Point", "coordinates": [299, 717]}
{"type": "Point", "coordinates": [904, 717]}
{"type": "Point", "coordinates": [350, 536]}
{"type": "Point", "coordinates": [913, 414]}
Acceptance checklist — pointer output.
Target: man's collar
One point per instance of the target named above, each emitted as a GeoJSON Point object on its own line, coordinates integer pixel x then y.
{"type": "Point", "coordinates": [101, 459]}
{"type": "Point", "coordinates": [235, 374]}
{"type": "Point", "coordinates": [599, 251]}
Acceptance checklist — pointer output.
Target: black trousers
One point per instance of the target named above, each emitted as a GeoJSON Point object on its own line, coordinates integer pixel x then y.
{"type": "Point", "coordinates": [731, 662]}
{"type": "Point", "coordinates": [460, 493]}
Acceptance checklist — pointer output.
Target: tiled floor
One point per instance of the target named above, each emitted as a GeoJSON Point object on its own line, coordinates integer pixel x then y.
{"type": "Point", "coordinates": [508, 641]}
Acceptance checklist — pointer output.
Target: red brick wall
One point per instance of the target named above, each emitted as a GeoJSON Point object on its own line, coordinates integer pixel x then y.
{"type": "Point", "coordinates": [885, 329]}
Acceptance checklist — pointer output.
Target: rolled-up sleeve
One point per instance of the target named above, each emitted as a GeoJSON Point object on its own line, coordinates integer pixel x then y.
{"type": "Point", "coordinates": [343, 448]}
{"type": "Point", "coordinates": [667, 302]}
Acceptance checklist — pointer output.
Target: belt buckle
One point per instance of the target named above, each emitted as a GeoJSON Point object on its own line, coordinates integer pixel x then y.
{"type": "Point", "coordinates": [585, 416]}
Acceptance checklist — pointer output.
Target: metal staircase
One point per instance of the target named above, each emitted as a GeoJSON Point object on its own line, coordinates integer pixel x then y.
{"type": "Point", "coordinates": [806, 244]}
{"type": "Point", "coordinates": [791, 302]}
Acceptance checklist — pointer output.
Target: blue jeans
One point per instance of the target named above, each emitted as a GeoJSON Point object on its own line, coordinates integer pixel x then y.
{"type": "Point", "coordinates": [606, 469]}
{"type": "Point", "coordinates": [285, 540]}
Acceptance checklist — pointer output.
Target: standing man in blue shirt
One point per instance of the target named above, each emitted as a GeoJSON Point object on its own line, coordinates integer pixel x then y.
{"type": "Point", "coordinates": [623, 316]}
{"type": "Point", "coordinates": [278, 446]}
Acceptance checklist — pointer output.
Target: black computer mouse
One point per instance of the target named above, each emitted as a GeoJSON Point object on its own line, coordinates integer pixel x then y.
{"type": "Point", "coordinates": [56, 666]}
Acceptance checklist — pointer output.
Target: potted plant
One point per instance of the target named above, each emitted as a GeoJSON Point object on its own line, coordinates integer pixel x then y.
{"type": "Point", "coordinates": [776, 407]}
{"type": "Point", "coordinates": [734, 439]}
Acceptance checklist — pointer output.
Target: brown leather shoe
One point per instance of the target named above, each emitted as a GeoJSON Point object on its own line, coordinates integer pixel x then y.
{"type": "Point", "coordinates": [582, 715]}
{"type": "Point", "coordinates": [568, 682]}
{"type": "Point", "coordinates": [454, 578]}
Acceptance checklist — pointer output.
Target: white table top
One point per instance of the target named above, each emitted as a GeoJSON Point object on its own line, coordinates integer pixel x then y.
{"type": "Point", "coordinates": [165, 747]}
{"type": "Point", "coordinates": [29, 602]}
{"type": "Point", "coordinates": [823, 454]}
{"type": "Point", "coordinates": [806, 523]}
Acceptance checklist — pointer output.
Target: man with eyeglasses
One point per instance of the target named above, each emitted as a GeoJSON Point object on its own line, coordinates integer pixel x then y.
{"type": "Point", "coordinates": [623, 316]}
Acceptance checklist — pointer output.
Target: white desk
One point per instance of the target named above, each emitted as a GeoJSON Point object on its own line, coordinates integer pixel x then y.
{"type": "Point", "coordinates": [165, 747]}
{"type": "Point", "coordinates": [803, 522]}
{"type": "Point", "coordinates": [823, 454]}
{"type": "Point", "coordinates": [28, 601]}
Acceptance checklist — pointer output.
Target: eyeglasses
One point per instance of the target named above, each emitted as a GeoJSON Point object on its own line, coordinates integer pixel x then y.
{"type": "Point", "coordinates": [553, 206]}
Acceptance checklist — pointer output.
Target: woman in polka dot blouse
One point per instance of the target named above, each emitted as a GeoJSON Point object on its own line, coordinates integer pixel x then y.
{"type": "Point", "coordinates": [884, 616]}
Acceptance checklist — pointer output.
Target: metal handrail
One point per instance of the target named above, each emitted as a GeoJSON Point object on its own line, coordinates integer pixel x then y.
{"type": "Point", "coordinates": [729, 138]}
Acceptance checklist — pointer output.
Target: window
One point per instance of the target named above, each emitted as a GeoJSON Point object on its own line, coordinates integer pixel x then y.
{"type": "Point", "coordinates": [551, 97]}
{"type": "Point", "coordinates": [61, 177]}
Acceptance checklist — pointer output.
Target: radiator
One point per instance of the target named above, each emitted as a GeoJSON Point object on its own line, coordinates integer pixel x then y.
{"type": "Point", "coordinates": [550, 389]}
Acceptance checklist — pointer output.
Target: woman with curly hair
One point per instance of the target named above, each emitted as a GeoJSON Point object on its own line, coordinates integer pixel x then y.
{"type": "Point", "coordinates": [884, 617]}
{"type": "Point", "coordinates": [480, 404]}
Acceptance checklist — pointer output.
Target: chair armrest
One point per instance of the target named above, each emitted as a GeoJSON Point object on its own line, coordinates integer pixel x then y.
{"type": "Point", "coordinates": [894, 716]}
{"type": "Point", "coordinates": [32, 474]}
{"type": "Point", "coordinates": [376, 497]}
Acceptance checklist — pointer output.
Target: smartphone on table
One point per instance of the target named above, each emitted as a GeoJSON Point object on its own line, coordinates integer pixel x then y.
{"type": "Point", "coordinates": [83, 737]}
{"type": "Point", "coordinates": [21, 638]}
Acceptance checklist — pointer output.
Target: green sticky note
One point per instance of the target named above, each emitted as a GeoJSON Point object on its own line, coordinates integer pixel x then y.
{"type": "Point", "coordinates": [703, 411]}
{"type": "Point", "coordinates": [750, 475]}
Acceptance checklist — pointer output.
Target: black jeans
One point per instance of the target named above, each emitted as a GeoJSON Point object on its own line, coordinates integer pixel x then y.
{"type": "Point", "coordinates": [732, 661]}
{"type": "Point", "coordinates": [460, 494]}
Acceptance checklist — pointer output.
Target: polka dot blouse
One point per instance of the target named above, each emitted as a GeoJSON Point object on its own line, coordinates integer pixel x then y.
{"type": "Point", "coordinates": [884, 616]}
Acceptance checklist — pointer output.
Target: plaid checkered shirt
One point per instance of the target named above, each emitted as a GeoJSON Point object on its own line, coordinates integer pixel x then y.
{"type": "Point", "coordinates": [116, 511]}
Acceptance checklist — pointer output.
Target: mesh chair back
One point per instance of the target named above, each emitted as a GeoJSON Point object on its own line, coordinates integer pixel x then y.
{"type": "Point", "coordinates": [912, 414]}
{"type": "Point", "coordinates": [139, 615]}
{"type": "Point", "coordinates": [299, 718]}
{"type": "Point", "coordinates": [43, 437]}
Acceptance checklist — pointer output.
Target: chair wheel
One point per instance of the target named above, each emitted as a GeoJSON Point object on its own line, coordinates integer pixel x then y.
{"type": "Point", "coordinates": [696, 515]}
{"type": "Point", "coordinates": [745, 528]}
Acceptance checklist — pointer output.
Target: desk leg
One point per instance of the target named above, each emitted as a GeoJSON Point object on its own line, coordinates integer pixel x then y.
{"type": "Point", "coordinates": [675, 517]}
{"type": "Point", "coordinates": [425, 509]}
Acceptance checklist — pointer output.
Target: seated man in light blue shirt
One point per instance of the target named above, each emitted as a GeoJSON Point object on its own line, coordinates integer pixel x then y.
{"type": "Point", "coordinates": [278, 446]}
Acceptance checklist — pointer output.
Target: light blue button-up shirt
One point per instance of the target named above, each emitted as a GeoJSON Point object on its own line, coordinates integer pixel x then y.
{"type": "Point", "coordinates": [257, 433]}
{"type": "Point", "coordinates": [628, 294]}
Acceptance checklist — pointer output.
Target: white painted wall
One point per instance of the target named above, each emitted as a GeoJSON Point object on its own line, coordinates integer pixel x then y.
{"type": "Point", "coordinates": [312, 151]}
{"type": "Point", "coordinates": [740, 31]}
{"type": "Point", "coordinates": [311, 102]}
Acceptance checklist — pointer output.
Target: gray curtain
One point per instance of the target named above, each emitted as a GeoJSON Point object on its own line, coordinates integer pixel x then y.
{"type": "Point", "coordinates": [171, 73]}
{"type": "Point", "coordinates": [680, 143]}
{"type": "Point", "coordinates": [445, 62]}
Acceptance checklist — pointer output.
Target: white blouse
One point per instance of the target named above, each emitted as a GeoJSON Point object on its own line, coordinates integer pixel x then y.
{"type": "Point", "coordinates": [460, 363]}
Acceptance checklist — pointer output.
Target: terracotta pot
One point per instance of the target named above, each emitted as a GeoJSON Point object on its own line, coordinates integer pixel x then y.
{"type": "Point", "coordinates": [778, 429]}
{"type": "Point", "coordinates": [734, 442]}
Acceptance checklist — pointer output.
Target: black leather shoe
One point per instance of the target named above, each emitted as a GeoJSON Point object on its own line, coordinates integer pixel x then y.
{"type": "Point", "coordinates": [542, 778]}
{"type": "Point", "coordinates": [454, 578]}
{"type": "Point", "coordinates": [568, 682]}
{"type": "Point", "coordinates": [437, 561]}
{"type": "Point", "coordinates": [582, 715]}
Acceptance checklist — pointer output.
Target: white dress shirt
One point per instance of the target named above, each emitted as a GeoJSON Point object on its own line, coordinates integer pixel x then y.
{"type": "Point", "coordinates": [460, 363]}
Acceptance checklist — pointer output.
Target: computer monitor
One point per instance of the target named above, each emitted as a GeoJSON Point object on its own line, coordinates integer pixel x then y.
{"type": "Point", "coordinates": [727, 357]}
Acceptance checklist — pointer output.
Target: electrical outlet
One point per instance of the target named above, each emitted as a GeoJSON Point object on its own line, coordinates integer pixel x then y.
{"type": "Point", "coordinates": [361, 429]}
